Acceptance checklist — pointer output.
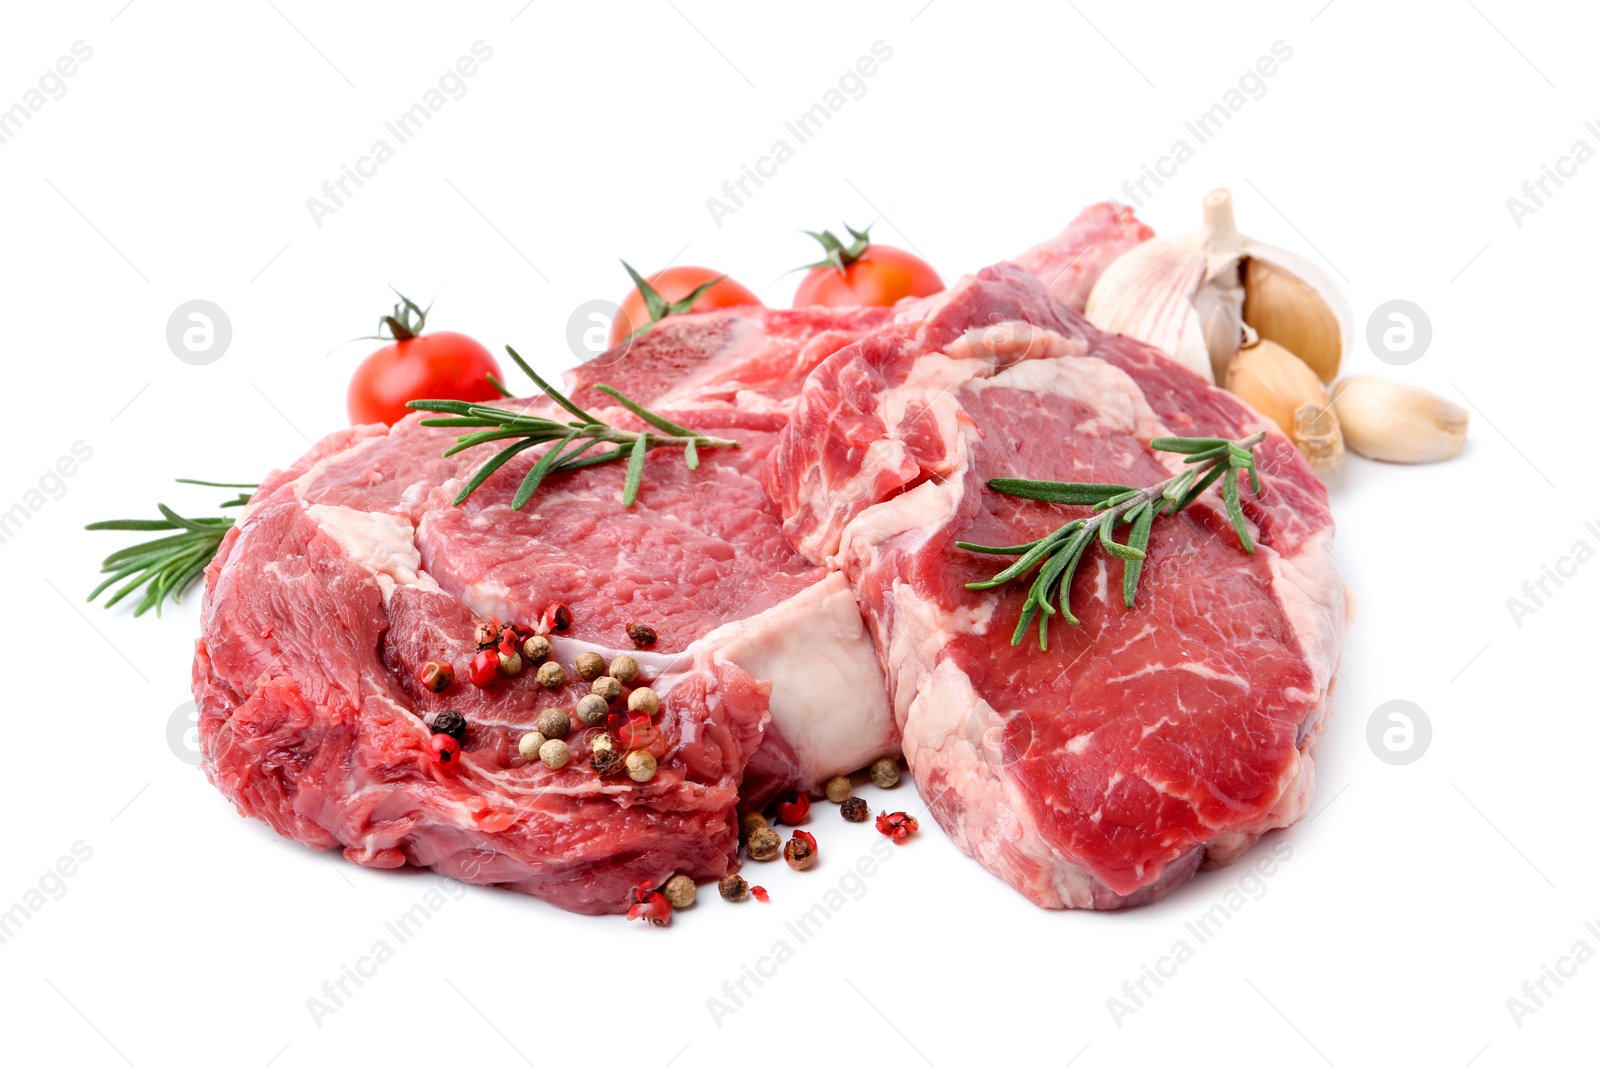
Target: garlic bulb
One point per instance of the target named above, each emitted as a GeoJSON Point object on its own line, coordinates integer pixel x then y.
{"type": "Point", "coordinates": [1193, 295]}
{"type": "Point", "coordinates": [1276, 383]}
{"type": "Point", "coordinates": [1398, 423]}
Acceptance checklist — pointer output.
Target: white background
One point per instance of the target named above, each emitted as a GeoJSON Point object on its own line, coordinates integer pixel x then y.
{"type": "Point", "coordinates": [177, 166]}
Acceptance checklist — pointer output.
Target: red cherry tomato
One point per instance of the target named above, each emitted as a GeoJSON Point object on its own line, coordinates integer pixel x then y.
{"type": "Point", "coordinates": [863, 274]}
{"type": "Point", "coordinates": [436, 366]}
{"type": "Point", "coordinates": [674, 286]}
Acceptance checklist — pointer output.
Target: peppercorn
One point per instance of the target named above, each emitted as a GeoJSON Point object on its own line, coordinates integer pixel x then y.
{"type": "Point", "coordinates": [592, 710]}
{"type": "Point", "coordinates": [624, 669]}
{"type": "Point", "coordinates": [551, 676]}
{"type": "Point", "coordinates": [637, 732]}
{"type": "Point", "coordinates": [436, 676]}
{"type": "Point", "coordinates": [528, 746]}
{"type": "Point", "coordinates": [589, 665]}
{"type": "Point", "coordinates": [838, 789]}
{"type": "Point", "coordinates": [485, 668]}
{"type": "Point", "coordinates": [605, 761]}
{"type": "Point", "coordinates": [801, 851]}
{"type": "Point", "coordinates": [854, 810]}
{"type": "Point", "coordinates": [601, 743]}
{"type": "Point", "coordinates": [606, 688]}
{"type": "Point", "coordinates": [763, 844]}
{"type": "Point", "coordinates": [443, 750]}
{"type": "Point", "coordinates": [679, 891]}
{"type": "Point", "coordinates": [536, 649]}
{"type": "Point", "coordinates": [653, 906]}
{"type": "Point", "coordinates": [641, 635]}
{"type": "Point", "coordinates": [510, 665]}
{"type": "Point", "coordinates": [555, 753]}
{"type": "Point", "coordinates": [644, 701]}
{"type": "Point", "coordinates": [557, 617]}
{"type": "Point", "coordinates": [448, 722]}
{"type": "Point", "coordinates": [486, 634]}
{"type": "Point", "coordinates": [885, 773]}
{"type": "Point", "coordinates": [641, 765]}
{"type": "Point", "coordinates": [793, 807]}
{"type": "Point", "coordinates": [553, 722]}
{"type": "Point", "coordinates": [733, 888]}
{"type": "Point", "coordinates": [750, 822]}
{"type": "Point", "coordinates": [897, 825]}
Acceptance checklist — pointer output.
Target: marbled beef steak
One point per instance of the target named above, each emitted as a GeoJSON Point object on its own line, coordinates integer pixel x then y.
{"type": "Point", "coordinates": [1145, 742]}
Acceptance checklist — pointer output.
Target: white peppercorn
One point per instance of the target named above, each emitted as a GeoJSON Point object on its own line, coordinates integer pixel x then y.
{"type": "Point", "coordinates": [838, 789]}
{"type": "Point", "coordinates": [592, 710]}
{"type": "Point", "coordinates": [553, 722]}
{"type": "Point", "coordinates": [763, 844]}
{"type": "Point", "coordinates": [555, 753]}
{"type": "Point", "coordinates": [679, 891]}
{"type": "Point", "coordinates": [589, 665]}
{"type": "Point", "coordinates": [625, 669]}
{"type": "Point", "coordinates": [641, 765]}
{"type": "Point", "coordinates": [536, 649]}
{"type": "Point", "coordinates": [606, 687]}
{"type": "Point", "coordinates": [885, 773]}
{"type": "Point", "coordinates": [528, 747]}
{"type": "Point", "coordinates": [644, 700]}
{"type": "Point", "coordinates": [551, 676]}
{"type": "Point", "coordinates": [510, 664]}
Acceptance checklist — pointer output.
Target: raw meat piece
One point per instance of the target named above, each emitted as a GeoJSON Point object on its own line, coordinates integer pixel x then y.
{"type": "Point", "coordinates": [352, 569]}
{"type": "Point", "coordinates": [1101, 773]}
{"type": "Point", "coordinates": [1072, 261]}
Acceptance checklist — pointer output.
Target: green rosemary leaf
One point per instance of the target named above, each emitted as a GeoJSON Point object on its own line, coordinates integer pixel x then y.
{"type": "Point", "coordinates": [1187, 445]}
{"type": "Point", "coordinates": [1230, 497]}
{"type": "Point", "coordinates": [498, 386]}
{"type": "Point", "coordinates": [648, 416]}
{"type": "Point", "coordinates": [1057, 492]}
{"type": "Point", "coordinates": [1194, 493]}
{"type": "Point", "coordinates": [490, 424]}
{"type": "Point", "coordinates": [217, 485]}
{"type": "Point", "coordinates": [500, 460]}
{"type": "Point", "coordinates": [1057, 555]}
{"type": "Point", "coordinates": [630, 485]}
{"type": "Point", "coordinates": [131, 524]}
{"type": "Point", "coordinates": [549, 390]}
{"type": "Point", "coordinates": [1138, 537]}
{"type": "Point", "coordinates": [536, 473]}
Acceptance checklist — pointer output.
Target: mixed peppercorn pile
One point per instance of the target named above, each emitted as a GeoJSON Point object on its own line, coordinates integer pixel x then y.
{"type": "Point", "coordinates": [625, 746]}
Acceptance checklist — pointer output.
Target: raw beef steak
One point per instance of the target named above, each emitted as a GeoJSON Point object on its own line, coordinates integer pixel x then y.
{"type": "Point", "coordinates": [351, 570]}
{"type": "Point", "coordinates": [1104, 772]}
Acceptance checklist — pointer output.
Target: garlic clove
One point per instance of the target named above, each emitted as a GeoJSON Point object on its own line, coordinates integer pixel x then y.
{"type": "Point", "coordinates": [1398, 423]}
{"type": "Point", "coordinates": [1281, 306]}
{"type": "Point", "coordinates": [1147, 294]}
{"type": "Point", "coordinates": [1282, 388]}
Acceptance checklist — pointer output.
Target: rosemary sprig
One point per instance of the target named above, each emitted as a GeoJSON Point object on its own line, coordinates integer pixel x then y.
{"type": "Point", "coordinates": [165, 566]}
{"type": "Point", "coordinates": [1057, 555]}
{"type": "Point", "coordinates": [574, 438]}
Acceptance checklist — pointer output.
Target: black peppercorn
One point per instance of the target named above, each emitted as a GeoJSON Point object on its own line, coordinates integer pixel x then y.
{"type": "Point", "coordinates": [606, 761]}
{"type": "Point", "coordinates": [641, 635]}
{"type": "Point", "coordinates": [448, 722]}
{"type": "Point", "coordinates": [854, 810]}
